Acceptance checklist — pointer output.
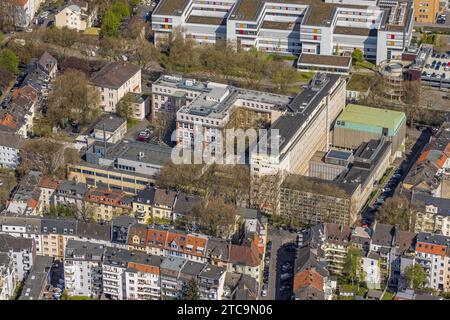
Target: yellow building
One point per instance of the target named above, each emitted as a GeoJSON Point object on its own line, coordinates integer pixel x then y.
{"type": "Point", "coordinates": [426, 11]}
{"type": "Point", "coordinates": [103, 205]}
{"type": "Point", "coordinates": [106, 177]}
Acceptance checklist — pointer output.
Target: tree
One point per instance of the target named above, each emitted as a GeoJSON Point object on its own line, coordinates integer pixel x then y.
{"type": "Point", "coordinates": [63, 37]}
{"type": "Point", "coordinates": [253, 65]}
{"type": "Point", "coordinates": [282, 76]}
{"type": "Point", "coordinates": [124, 107]}
{"type": "Point", "coordinates": [2, 37]}
{"type": "Point", "coordinates": [352, 265]}
{"type": "Point", "coordinates": [44, 155]}
{"type": "Point", "coordinates": [357, 56]}
{"type": "Point", "coordinates": [411, 97]}
{"type": "Point", "coordinates": [76, 64]}
{"type": "Point", "coordinates": [110, 24]}
{"type": "Point", "coordinates": [121, 10]}
{"type": "Point", "coordinates": [416, 276]}
{"type": "Point", "coordinates": [397, 211]}
{"type": "Point", "coordinates": [60, 211]}
{"type": "Point", "coordinates": [73, 99]}
{"type": "Point", "coordinates": [191, 291]}
{"type": "Point", "coordinates": [146, 53]}
{"type": "Point", "coordinates": [8, 16]}
{"type": "Point", "coordinates": [9, 61]}
{"type": "Point", "coordinates": [216, 217]}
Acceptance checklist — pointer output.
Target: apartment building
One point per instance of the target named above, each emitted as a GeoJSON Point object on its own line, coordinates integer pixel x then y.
{"type": "Point", "coordinates": [24, 12]}
{"type": "Point", "coordinates": [9, 150]}
{"type": "Point", "coordinates": [426, 11]}
{"type": "Point", "coordinates": [170, 275]}
{"type": "Point", "coordinates": [25, 199]}
{"type": "Point", "coordinates": [23, 227]}
{"type": "Point", "coordinates": [432, 255]}
{"type": "Point", "coordinates": [381, 29]}
{"type": "Point", "coordinates": [71, 194]}
{"type": "Point", "coordinates": [114, 81]}
{"type": "Point", "coordinates": [48, 187]}
{"type": "Point", "coordinates": [142, 277]}
{"type": "Point", "coordinates": [77, 15]}
{"type": "Point", "coordinates": [82, 268]}
{"type": "Point", "coordinates": [54, 236]}
{"type": "Point", "coordinates": [22, 252]}
{"type": "Point", "coordinates": [211, 280]}
{"type": "Point", "coordinates": [115, 263]}
{"type": "Point", "coordinates": [431, 213]}
{"type": "Point", "coordinates": [8, 279]}
{"type": "Point", "coordinates": [104, 204]}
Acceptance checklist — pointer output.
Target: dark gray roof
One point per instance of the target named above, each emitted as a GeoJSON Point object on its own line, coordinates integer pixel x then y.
{"type": "Point", "coordinates": [146, 196]}
{"type": "Point", "coordinates": [145, 259]}
{"type": "Point", "coordinates": [302, 106]}
{"type": "Point", "coordinates": [70, 187]}
{"type": "Point", "coordinates": [58, 226]}
{"type": "Point", "coordinates": [47, 62]}
{"type": "Point", "coordinates": [212, 272]}
{"type": "Point", "coordinates": [84, 251]}
{"type": "Point", "coordinates": [10, 140]}
{"type": "Point", "coordinates": [94, 231]}
{"type": "Point", "coordinates": [8, 242]}
{"type": "Point", "coordinates": [4, 259]}
{"type": "Point", "coordinates": [383, 234]}
{"type": "Point", "coordinates": [115, 74]}
{"type": "Point", "coordinates": [192, 268]}
{"type": "Point", "coordinates": [173, 263]}
{"type": "Point", "coordinates": [32, 224]}
{"type": "Point", "coordinates": [218, 247]}
{"type": "Point", "coordinates": [442, 204]}
{"type": "Point", "coordinates": [111, 123]}
{"type": "Point", "coordinates": [185, 203]}
{"type": "Point", "coordinates": [123, 221]}
{"type": "Point", "coordinates": [117, 257]}
{"type": "Point", "coordinates": [433, 239]}
{"type": "Point", "coordinates": [37, 279]}
{"type": "Point", "coordinates": [374, 294]}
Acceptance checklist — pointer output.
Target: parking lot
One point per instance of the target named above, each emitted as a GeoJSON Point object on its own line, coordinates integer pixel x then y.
{"type": "Point", "coordinates": [437, 66]}
{"type": "Point", "coordinates": [279, 265]}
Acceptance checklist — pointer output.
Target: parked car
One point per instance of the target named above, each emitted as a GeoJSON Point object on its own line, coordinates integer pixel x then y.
{"type": "Point", "coordinates": [285, 276]}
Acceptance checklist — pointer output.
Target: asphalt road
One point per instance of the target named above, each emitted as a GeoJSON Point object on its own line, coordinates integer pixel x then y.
{"type": "Point", "coordinates": [279, 256]}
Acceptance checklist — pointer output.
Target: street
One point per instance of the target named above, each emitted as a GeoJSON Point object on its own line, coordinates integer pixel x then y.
{"type": "Point", "coordinates": [280, 254]}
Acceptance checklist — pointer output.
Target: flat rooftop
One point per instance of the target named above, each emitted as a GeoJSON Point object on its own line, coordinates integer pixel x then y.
{"type": "Point", "coordinates": [365, 32]}
{"type": "Point", "coordinates": [324, 60]}
{"type": "Point", "coordinates": [171, 7]}
{"type": "Point", "coordinates": [286, 26]}
{"type": "Point", "coordinates": [216, 21]}
{"type": "Point", "coordinates": [383, 118]}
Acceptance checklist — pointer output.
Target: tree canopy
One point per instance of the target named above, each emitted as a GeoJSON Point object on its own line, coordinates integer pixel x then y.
{"type": "Point", "coordinates": [9, 61]}
{"type": "Point", "coordinates": [73, 99]}
{"type": "Point", "coordinates": [416, 276]}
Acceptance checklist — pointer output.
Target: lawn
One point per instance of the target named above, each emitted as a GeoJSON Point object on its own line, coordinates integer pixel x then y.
{"type": "Point", "coordinates": [388, 296]}
{"type": "Point", "coordinates": [131, 123]}
{"type": "Point", "coordinates": [79, 298]}
{"type": "Point", "coordinates": [359, 82]}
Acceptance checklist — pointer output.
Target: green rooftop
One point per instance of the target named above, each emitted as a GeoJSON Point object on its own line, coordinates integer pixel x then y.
{"type": "Point", "coordinates": [373, 117]}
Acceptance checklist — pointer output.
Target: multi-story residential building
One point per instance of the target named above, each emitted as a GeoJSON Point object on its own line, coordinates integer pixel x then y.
{"type": "Point", "coordinates": [8, 278]}
{"type": "Point", "coordinates": [114, 81]}
{"type": "Point", "coordinates": [115, 263]}
{"type": "Point", "coordinates": [83, 268]}
{"type": "Point", "coordinates": [432, 255]}
{"type": "Point", "coordinates": [336, 241]}
{"type": "Point", "coordinates": [71, 194]}
{"type": "Point", "coordinates": [139, 105]}
{"type": "Point", "coordinates": [381, 243]}
{"type": "Point", "coordinates": [22, 252]}
{"type": "Point", "coordinates": [312, 280]}
{"type": "Point", "coordinates": [77, 15]}
{"type": "Point", "coordinates": [25, 199]}
{"type": "Point", "coordinates": [142, 277]}
{"type": "Point", "coordinates": [47, 65]}
{"type": "Point", "coordinates": [103, 205]}
{"type": "Point", "coordinates": [48, 187]}
{"type": "Point", "coordinates": [9, 150]}
{"type": "Point", "coordinates": [54, 236]}
{"type": "Point", "coordinates": [154, 203]}
{"type": "Point", "coordinates": [431, 213]}
{"type": "Point", "coordinates": [211, 282]}
{"type": "Point", "coordinates": [240, 287]}
{"type": "Point", "coordinates": [170, 277]}
{"type": "Point", "coordinates": [24, 12]}
{"type": "Point", "coordinates": [23, 227]}
{"type": "Point", "coordinates": [381, 29]}
{"type": "Point", "coordinates": [426, 11]}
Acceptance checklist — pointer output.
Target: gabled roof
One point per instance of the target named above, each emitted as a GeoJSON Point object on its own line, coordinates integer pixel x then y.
{"type": "Point", "coordinates": [115, 74]}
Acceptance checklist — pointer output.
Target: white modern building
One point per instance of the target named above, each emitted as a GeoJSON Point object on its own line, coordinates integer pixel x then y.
{"type": "Point", "coordinates": [380, 28]}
